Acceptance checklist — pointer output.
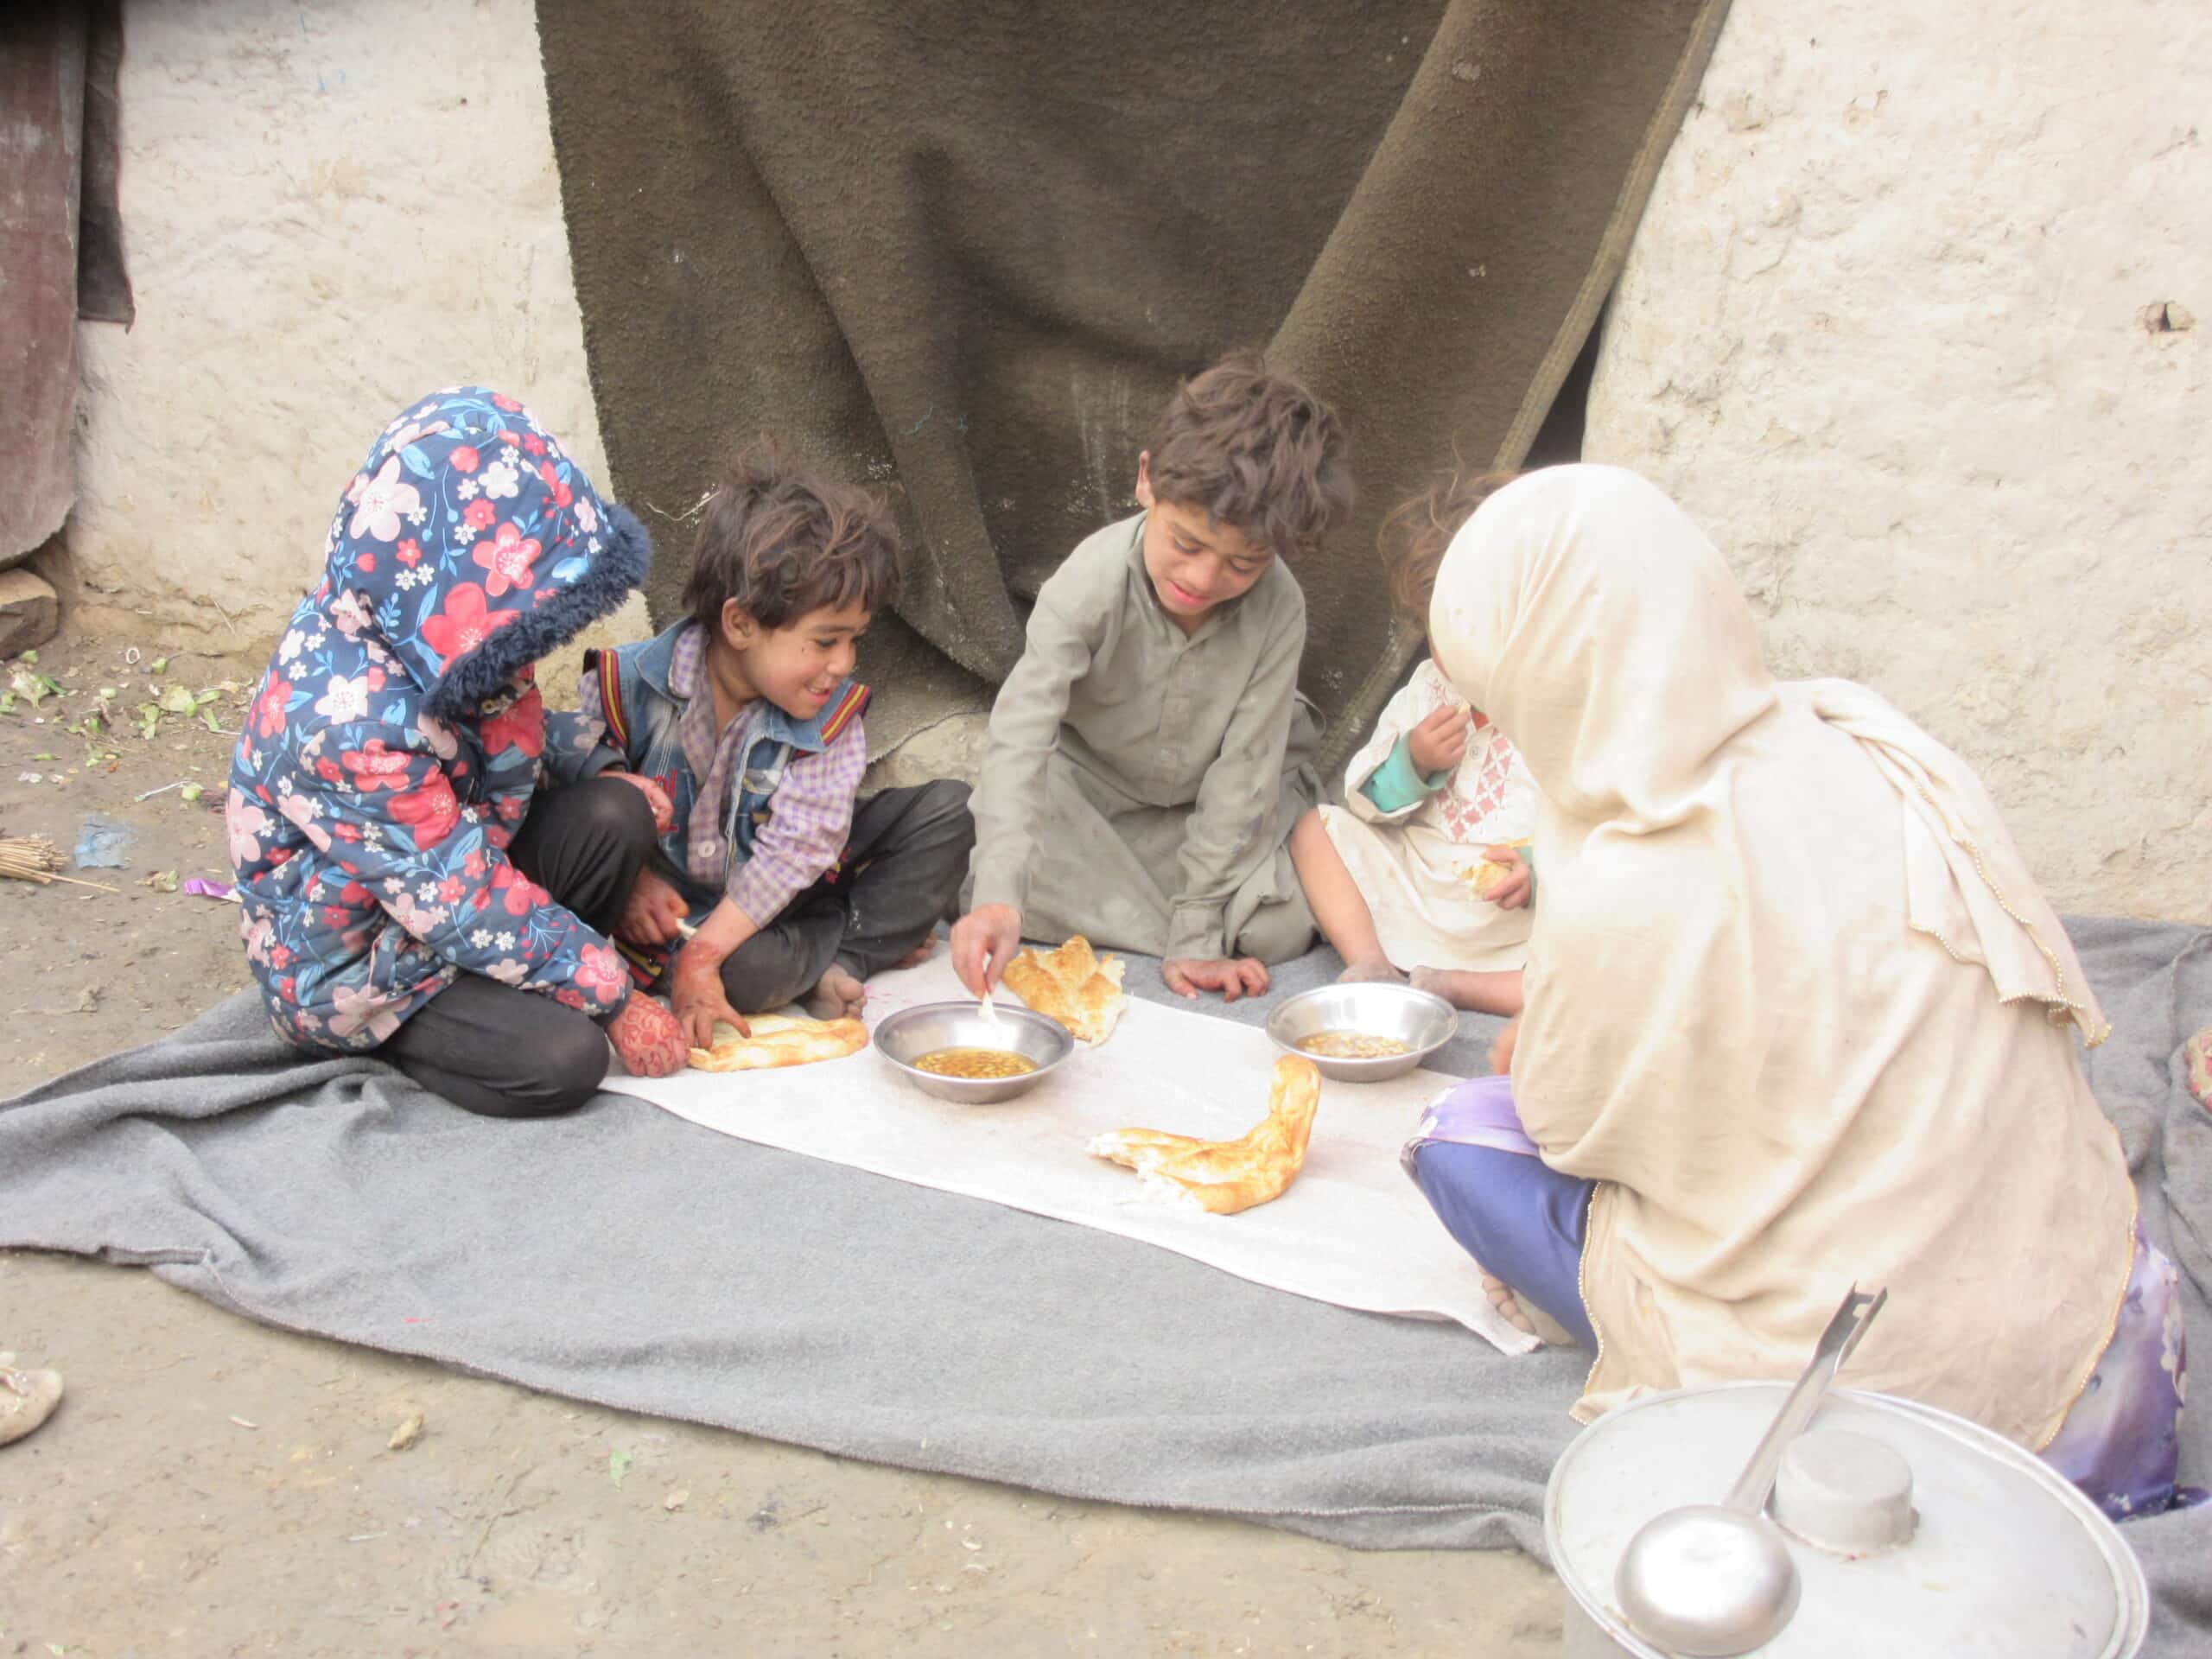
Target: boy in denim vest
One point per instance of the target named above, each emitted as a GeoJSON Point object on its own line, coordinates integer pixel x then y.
{"type": "Point", "coordinates": [739, 732]}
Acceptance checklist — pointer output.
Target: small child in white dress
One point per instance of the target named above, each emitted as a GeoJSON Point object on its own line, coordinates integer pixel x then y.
{"type": "Point", "coordinates": [1437, 792]}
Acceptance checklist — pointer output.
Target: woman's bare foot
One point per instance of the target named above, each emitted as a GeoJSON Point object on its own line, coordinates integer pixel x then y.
{"type": "Point", "coordinates": [836, 994]}
{"type": "Point", "coordinates": [1525, 1316]}
{"type": "Point", "coordinates": [1371, 971]}
{"type": "Point", "coordinates": [1502, 1298]}
{"type": "Point", "coordinates": [920, 954]}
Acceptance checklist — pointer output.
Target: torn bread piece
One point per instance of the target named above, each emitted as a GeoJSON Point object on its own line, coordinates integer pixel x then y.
{"type": "Point", "coordinates": [780, 1040]}
{"type": "Point", "coordinates": [1226, 1176]}
{"type": "Point", "coordinates": [1074, 985]}
{"type": "Point", "coordinates": [1492, 873]}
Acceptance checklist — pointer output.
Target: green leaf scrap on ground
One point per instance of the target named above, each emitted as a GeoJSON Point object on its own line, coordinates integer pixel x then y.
{"type": "Point", "coordinates": [157, 666]}
{"type": "Point", "coordinates": [149, 719]}
{"type": "Point", "coordinates": [178, 700]}
{"type": "Point", "coordinates": [190, 793]}
{"type": "Point", "coordinates": [161, 881]}
{"type": "Point", "coordinates": [618, 1465]}
{"type": "Point", "coordinates": [33, 687]}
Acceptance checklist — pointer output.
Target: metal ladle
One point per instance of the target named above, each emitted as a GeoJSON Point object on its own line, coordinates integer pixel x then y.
{"type": "Point", "coordinates": [1710, 1580]}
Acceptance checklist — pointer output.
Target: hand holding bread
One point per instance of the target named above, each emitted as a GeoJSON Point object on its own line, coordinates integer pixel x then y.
{"type": "Point", "coordinates": [1504, 877]}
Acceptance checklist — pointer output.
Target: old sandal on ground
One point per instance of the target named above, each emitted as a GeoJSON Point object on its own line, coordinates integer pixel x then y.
{"type": "Point", "coordinates": [27, 1399]}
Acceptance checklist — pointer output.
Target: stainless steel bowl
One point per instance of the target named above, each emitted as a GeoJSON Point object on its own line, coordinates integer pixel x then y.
{"type": "Point", "coordinates": [906, 1036]}
{"type": "Point", "coordinates": [1422, 1022]}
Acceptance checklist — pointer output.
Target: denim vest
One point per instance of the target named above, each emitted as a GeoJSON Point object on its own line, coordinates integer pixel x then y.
{"type": "Point", "coordinates": [644, 724]}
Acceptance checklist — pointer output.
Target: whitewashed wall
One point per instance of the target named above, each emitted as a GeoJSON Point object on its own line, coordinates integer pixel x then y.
{"type": "Point", "coordinates": [1919, 324]}
{"type": "Point", "coordinates": [330, 209]}
{"type": "Point", "coordinates": [1883, 331]}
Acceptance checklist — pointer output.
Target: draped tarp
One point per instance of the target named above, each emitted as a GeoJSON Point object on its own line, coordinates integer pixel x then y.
{"type": "Point", "coordinates": [969, 249]}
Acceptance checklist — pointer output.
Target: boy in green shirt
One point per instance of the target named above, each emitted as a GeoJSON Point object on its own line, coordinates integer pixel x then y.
{"type": "Point", "coordinates": [1150, 752]}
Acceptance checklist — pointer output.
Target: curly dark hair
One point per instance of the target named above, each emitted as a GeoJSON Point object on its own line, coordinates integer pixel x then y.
{"type": "Point", "coordinates": [1416, 534]}
{"type": "Point", "coordinates": [782, 541]}
{"type": "Point", "coordinates": [1255, 450]}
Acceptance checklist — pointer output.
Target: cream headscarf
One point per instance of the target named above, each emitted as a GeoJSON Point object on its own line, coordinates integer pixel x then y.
{"type": "Point", "coordinates": [1793, 998]}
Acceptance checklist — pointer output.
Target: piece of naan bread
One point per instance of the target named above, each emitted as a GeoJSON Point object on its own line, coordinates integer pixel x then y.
{"type": "Point", "coordinates": [1074, 985]}
{"type": "Point", "coordinates": [1491, 875]}
{"type": "Point", "coordinates": [1226, 1176]}
{"type": "Point", "coordinates": [780, 1040]}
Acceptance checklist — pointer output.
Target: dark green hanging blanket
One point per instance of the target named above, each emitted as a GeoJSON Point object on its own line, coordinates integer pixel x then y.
{"type": "Point", "coordinates": [969, 249]}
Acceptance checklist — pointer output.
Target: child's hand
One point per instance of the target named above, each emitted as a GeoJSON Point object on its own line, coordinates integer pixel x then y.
{"type": "Point", "coordinates": [652, 912]}
{"type": "Point", "coordinates": [655, 797]}
{"type": "Point", "coordinates": [695, 988]}
{"type": "Point", "coordinates": [1441, 740]}
{"type": "Point", "coordinates": [648, 1038]}
{"type": "Point", "coordinates": [983, 941]}
{"type": "Point", "coordinates": [1516, 888]}
{"type": "Point", "coordinates": [1232, 976]}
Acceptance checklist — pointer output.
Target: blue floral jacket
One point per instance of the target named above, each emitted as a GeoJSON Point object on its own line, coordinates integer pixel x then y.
{"type": "Point", "coordinates": [394, 744]}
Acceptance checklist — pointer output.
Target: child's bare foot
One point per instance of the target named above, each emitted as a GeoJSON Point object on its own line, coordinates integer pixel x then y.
{"type": "Point", "coordinates": [920, 954]}
{"type": "Point", "coordinates": [1478, 993]}
{"type": "Point", "coordinates": [1439, 982]}
{"type": "Point", "coordinates": [1369, 970]}
{"type": "Point", "coordinates": [836, 994]}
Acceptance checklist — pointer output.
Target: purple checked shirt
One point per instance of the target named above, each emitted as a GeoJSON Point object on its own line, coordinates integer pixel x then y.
{"type": "Point", "coordinates": [809, 817]}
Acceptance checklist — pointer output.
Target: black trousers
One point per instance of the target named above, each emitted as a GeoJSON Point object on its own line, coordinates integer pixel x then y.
{"type": "Point", "coordinates": [906, 857]}
{"type": "Point", "coordinates": [489, 1048]}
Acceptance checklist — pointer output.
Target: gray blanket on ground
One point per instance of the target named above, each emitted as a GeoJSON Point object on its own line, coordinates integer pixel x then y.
{"type": "Point", "coordinates": [650, 1264]}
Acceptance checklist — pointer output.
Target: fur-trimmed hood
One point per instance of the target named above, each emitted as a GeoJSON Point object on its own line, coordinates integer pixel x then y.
{"type": "Point", "coordinates": [470, 544]}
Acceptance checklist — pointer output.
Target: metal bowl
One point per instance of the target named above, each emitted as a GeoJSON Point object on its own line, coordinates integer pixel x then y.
{"type": "Point", "coordinates": [1422, 1022]}
{"type": "Point", "coordinates": [906, 1036]}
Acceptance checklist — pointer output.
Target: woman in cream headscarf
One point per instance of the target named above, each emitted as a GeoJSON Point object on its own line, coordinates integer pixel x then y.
{"type": "Point", "coordinates": [1796, 1016]}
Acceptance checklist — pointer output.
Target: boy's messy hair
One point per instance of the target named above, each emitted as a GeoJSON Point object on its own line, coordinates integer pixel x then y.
{"type": "Point", "coordinates": [1415, 536]}
{"type": "Point", "coordinates": [782, 541]}
{"type": "Point", "coordinates": [1256, 450]}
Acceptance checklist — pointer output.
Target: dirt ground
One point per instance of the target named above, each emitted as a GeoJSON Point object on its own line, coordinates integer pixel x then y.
{"type": "Point", "coordinates": [214, 1487]}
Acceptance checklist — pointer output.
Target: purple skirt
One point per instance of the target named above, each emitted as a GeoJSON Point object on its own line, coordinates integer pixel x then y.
{"type": "Point", "coordinates": [1523, 1221]}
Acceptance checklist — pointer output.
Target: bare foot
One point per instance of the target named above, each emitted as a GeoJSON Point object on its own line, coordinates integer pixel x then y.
{"type": "Point", "coordinates": [920, 954]}
{"type": "Point", "coordinates": [1439, 981]}
{"type": "Point", "coordinates": [1369, 970]}
{"type": "Point", "coordinates": [1502, 1298]}
{"type": "Point", "coordinates": [1478, 993]}
{"type": "Point", "coordinates": [836, 995]}
{"type": "Point", "coordinates": [1525, 1316]}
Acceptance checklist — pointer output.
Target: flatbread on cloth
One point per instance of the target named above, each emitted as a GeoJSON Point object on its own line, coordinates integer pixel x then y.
{"type": "Point", "coordinates": [1226, 1176]}
{"type": "Point", "coordinates": [1074, 985]}
{"type": "Point", "coordinates": [780, 1040]}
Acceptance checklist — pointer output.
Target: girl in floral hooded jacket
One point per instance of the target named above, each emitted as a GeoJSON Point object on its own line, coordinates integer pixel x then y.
{"type": "Point", "coordinates": [394, 895]}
